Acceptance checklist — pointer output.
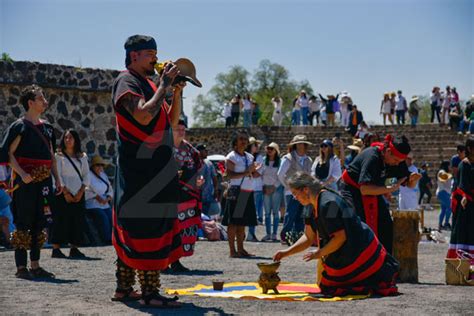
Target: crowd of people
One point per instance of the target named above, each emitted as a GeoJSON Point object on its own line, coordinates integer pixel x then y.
{"type": "Point", "coordinates": [165, 189]}
{"type": "Point", "coordinates": [340, 110]}
{"type": "Point", "coordinates": [306, 110]}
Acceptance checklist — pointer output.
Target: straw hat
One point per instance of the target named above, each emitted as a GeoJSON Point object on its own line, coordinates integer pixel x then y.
{"type": "Point", "coordinates": [253, 140]}
{"type": "Point", "coordinates": [188, 71]}
{"type": "Point", "coordinates": [274, 146]}
{"type": "Point", "coordinates": [345, 94]}
{"type": "Point", "coordinates": [414, 98]}
{"type": "Point", "coordinates": [97, 160]}
{"type": "Point", "coordinates": [300, 139]}
{"type": "Point", "coordinates": [356, 145]}
{"type": "Point", "coordinates": [444, 176]}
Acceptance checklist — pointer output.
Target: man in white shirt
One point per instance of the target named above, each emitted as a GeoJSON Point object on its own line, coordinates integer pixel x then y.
{"type": "Point", "coordinates": [400, 108]}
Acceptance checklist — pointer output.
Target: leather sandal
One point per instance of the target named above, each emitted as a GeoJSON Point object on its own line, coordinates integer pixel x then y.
{"type": "Point", "coordinates": [165, 301]}
{"type": "Point", "coordinates": [128, 295]}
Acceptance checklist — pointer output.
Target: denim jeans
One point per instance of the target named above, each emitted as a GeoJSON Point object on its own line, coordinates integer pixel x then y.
{"type": "Point", "coordinates": [247, 118]}
{"type": "Point", "coordinates": [295, 117]}
{"type": "Point", "coordinates": [258, 199]}
{"type": "Point", "coordinates": [445, 200]}
{"type": "Point", "coordinates": [435, 109]}
{"type": "Point", "coordinates": [272, 203]}
{"type": "Point", "coordinates": [400, 117]}
{"type": "Point", "coordinates": [414, 120]}
{"type": "Point", "coordinates": [103, 222]}
{"type": "Point", "coordinates": [304, 115]}
{"type": "Point", "coordinates": [293, 217]}
{"type": "Point", "coordinates": [471, 127]}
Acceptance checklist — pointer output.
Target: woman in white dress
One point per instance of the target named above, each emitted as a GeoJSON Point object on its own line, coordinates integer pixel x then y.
{"type": "Point", "coordinates": [386, 108]}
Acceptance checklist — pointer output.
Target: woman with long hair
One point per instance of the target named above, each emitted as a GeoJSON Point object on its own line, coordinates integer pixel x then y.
{"type": "Point", "coordinates": [354, 261]}
{"type": "Point", "coordinates": [296, 112]}
{"type": "Point", "coordinates": [327, 167]}
{"type": "Point", "coordinates": [272, 190]}
{"type": "Point", "coordinates": [462, 233]}
{"type": "Point", "coordinates": [69, 213]}
{"type": "Point", "coordinates": [386, 109]}
{"type": "Point", "coordinates": [240, 205]}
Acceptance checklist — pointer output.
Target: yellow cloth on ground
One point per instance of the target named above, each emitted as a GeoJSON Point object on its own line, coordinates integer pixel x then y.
{"type": "Point", "coordinates": [251, 290]}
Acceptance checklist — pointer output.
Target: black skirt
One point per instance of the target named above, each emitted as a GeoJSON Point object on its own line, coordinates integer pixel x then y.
{"type": "Point", "coordinates": [68, 222]}
{"type": "Point", "coordinates": [240, 211]}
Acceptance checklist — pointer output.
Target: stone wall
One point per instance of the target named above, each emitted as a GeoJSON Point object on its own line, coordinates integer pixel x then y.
{"type": "Point", "coordinates": [78, 98]}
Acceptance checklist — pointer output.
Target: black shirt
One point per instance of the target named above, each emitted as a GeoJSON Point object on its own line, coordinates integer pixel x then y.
{"type": "Point", "coordinates": [368, 168]}
{"type": "Point", "coordinates": [322, 170]}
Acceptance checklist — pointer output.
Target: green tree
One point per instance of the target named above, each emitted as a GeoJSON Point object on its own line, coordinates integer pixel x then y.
{"type": "Point", "coordinates": [207, 113]}
{"type": "Point", "coordinates": [236, 81]}
{"type": "Point", "coordinates": [268, 80]}
{"type": "Point", "coordinates": [207, 110]}
{"type": "Point", "coordinates": [271, 80]}
{"type": "Point", "coordinates": [425, 110]}
{"type": "Point", "coordinates": [6, 58]}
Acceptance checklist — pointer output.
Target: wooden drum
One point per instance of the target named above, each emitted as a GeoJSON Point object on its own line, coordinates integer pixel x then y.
{"type": "Point", "coordinates": [406, 236]}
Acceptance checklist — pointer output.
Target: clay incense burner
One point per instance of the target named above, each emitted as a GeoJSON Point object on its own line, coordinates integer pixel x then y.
{"type": "Point", "coordinates": [269, 278]}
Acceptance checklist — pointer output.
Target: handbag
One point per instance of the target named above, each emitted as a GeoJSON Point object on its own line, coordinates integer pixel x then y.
{"type": "Point", "coordinates": [234, 190]}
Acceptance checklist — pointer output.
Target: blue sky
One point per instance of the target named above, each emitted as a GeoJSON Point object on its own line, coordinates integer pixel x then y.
{"type": "Point", "coordinates": [363, 46]}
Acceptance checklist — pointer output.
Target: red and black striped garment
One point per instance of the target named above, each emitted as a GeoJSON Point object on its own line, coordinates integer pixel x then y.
{"type": "Point", "coordinates": [361, 265]}
{"type": "Point", "coordinates": [190, 206]}
{"type": "Point", "coordinates": [146, 233]}
{"type": "Point", "coordinates": [368, 168]}
{"type": "Point", "coordinates": [461, 244]}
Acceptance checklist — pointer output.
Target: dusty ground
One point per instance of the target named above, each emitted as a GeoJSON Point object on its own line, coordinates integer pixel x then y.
{"type": "Point", "coordinates": [85, 287]}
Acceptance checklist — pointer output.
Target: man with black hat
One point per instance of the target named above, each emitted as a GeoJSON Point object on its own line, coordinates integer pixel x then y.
{"type": "Point", "coordinates": [146, 233]}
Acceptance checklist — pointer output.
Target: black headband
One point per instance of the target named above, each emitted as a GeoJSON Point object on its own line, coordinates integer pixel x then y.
{"type": "Point", "coordinates": [139, 42]}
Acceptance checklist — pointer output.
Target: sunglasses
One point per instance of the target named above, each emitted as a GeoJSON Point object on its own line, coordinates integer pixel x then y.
{"type": "Point", "coordinates": [270, 148]}
{"type": "Point", "coordinates": [323, 146]}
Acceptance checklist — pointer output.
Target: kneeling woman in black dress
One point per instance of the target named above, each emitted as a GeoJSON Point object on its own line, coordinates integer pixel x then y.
{"type": "Point", "coordinates": [354, 261]}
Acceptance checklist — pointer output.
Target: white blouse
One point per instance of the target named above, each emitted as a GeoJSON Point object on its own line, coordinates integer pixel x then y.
{"type": "Point", "coordinates": [98, 187]}
{"type": "Point", "coordinates": [240, 166]}
{"type": "Point", "coordinates": [270, 174]}
{"type": "Point", "coordinates": [68, 175]}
